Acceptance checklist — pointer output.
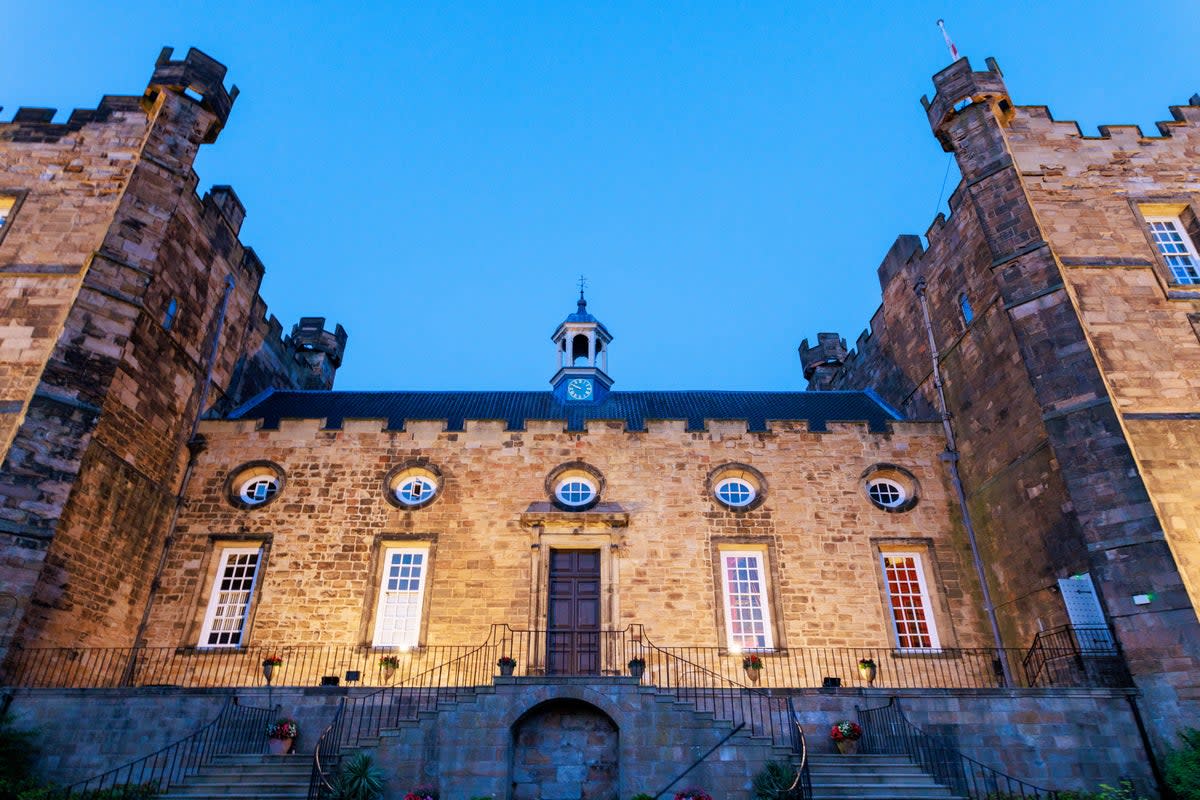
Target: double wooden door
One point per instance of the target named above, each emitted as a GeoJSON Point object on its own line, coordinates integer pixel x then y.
{"type": "Point", "coordinates": [573, 638]}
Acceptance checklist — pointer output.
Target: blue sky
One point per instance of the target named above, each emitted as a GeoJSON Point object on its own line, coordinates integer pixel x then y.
{"type": "Point", "coordinates": [727, 175]}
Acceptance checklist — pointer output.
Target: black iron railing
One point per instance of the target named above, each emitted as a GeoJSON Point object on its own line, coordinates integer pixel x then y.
{"type": "Point", "coordinates": [236, 729]}
{"type": "Point", "coordinates": [887, 730]}
{"type": "Point", "coordinates": [1075, 656]}
{"type": "Point", "coordinates": [1058, 658]}
{"type": "Point", "coordinates": [537, 653]}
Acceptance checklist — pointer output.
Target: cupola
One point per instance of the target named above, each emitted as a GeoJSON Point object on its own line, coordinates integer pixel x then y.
{"type": "Point", "coordinates": [581, 342]}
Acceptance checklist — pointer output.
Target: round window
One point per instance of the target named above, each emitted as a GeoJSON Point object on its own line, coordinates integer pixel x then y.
{"type": "Point", "coordinates": [412, 485]}
{"type": "Point", "coordinates": [886, 494]}
{"type": "Point", "coordinates": [255, 484]}
{"type": "Point", "coordinates": [736, 492]}
{"type": "Point", "coordinates": [890, 487]}
{"type": "Point", "coordinates": [737, 487]}
{"type": "Point", "coordinates": [415, 489]}
{"type": "Point", "coordinates": [257, 491]}
{"type": "Point", "coordinates": [575, 491]}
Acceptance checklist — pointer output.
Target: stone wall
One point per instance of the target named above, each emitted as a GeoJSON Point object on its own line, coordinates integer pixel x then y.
{"type": "Point", "coordinates": [1063, 739]}
{"type": "Point", "coordinates": [658, 527]}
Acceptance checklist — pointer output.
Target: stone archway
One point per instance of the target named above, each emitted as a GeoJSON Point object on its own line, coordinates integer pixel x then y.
{"type": "Point", "coordinates": [565, 750]}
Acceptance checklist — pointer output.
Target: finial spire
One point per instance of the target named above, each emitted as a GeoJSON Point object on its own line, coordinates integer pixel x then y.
{"type": "Point", "coordinates": [582, 286]}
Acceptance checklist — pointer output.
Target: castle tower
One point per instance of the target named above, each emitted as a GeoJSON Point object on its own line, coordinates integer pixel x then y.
{"type": "Point", "coordinates": [581, 343]}
{"type": "Point", "coordinates": [823, 361]}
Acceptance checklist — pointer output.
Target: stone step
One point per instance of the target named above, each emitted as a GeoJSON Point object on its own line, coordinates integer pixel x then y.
{"type": "Point", "coordinates": [857, 791]}
{"type": "Point", "coordinates": [247, 777]}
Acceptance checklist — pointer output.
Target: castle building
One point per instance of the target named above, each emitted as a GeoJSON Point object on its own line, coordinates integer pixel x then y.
{"type": "Point", "coordinates": [183, 494]}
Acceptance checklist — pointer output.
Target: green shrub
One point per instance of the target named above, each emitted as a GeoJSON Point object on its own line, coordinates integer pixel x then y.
{"type": "Point", "coordinates": [358, 779]}
{"type": "Point", "coordinates": [774, 781]}
{"type": "Point", "coordinates": [1122, 791]}
{"type": "Point", "coordinates": [641, 796]}
{"type": "Point", "coordinates": [1182, 767]}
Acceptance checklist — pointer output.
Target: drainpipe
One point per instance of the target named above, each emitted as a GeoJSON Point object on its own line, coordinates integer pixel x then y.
{"type": "Point", "coordinates": [195, 446]}
{"type": "Point", "coordinates": [950, 456]}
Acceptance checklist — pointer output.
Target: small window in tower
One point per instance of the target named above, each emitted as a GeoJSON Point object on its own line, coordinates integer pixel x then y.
{"type": "Point", "coordinates": [964, 304]}
{"type": "Point", "coordinates": [1176, 248]}
{"type": "Point", "coordinates": [10, 204]}
{"type": "Point", "coordinates": [169, 316]}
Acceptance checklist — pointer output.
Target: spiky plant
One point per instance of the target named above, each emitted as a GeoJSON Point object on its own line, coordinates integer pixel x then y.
{"type": "Point", "coordinates": [358, 779]}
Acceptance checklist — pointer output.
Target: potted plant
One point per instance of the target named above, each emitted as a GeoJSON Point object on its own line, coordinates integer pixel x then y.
{"type": "Point", "coordinates": [636, 667]}
{"type": "Point", "coordinates": [281, 734]}
{"type": "Point", "coordinates": [693, 794]}
{"type": "Point", "coordinates": [269, 664]}
{"type": "Point", "coordinates": [425, 791]}
{"type": "Point", "coordinates": [388, 665]}
{"type": "Point", "coordinates": [506, 664]}
{"type": "Point", "coordinates": [845, 735]}
{"type": "Point", "coordinates": [752, 665]}
{"type": "Point", "coordinates": [867, 670]}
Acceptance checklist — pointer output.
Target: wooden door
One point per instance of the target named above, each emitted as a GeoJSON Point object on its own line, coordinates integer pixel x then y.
{"type": "Point", "coordinates": [573, 639]}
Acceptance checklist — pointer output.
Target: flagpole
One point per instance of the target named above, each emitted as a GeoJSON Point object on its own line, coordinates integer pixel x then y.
{"type": "Point", "coordinates": [949, 42]}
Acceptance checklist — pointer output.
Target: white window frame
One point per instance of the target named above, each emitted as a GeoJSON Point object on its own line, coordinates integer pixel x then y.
{"type": "Point", "coordinates": [566, 483]}
{"type": "Point", "coordinates": [922, 596]}
{"type": "Point", "coordinates": [1179, 273]}
{"type": "Point", "coordinates": [216, 603]}
{"type": "Point", "coordinates": [410, 634]}
{"type": "Point", "coordinates": [750, 491]}
{"type": "Point", "coordinates": [732, 640]}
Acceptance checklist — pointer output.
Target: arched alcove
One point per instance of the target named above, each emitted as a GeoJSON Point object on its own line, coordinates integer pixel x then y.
{"type": "Point", "coordinates": [565, 749]}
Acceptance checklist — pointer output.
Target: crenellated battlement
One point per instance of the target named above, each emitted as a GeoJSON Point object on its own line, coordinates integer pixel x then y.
{"type": "Point", "coordinates": [37, 125]}
{"type": "Point", "coordinates": [958, 86]}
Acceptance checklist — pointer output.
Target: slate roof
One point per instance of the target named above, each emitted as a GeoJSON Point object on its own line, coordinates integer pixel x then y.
{"type": "Point", "coordinates": [818, 408]}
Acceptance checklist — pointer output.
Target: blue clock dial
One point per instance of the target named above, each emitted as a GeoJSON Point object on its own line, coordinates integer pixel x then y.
{"type": "Point", "coordinates": [579, 389]}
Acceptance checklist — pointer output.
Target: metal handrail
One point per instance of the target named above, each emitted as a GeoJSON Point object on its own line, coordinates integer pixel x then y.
{"type": "Point", "coordinates": [1077, 656]}
{"type": "Point", "coordinates": [327, 743]}
{"type": "Point", "coordinates": [235, 729]}
{"type": "Point", "coordinates": [310, 665]}
{"type": "Point", "coordinates": [887, 730]}
{"type": "Point", "coordinates": [803, 780]}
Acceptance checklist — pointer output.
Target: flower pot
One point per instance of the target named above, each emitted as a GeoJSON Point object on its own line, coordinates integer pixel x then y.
{"type": "Point", "coordinates": [637, 669]}
{"type": "Point", "coordinates": [867, 673]}
{"type": "Point", "coordinates": [847, 747]}
{"type": "Point", "coordinates": [506, 670]}
{"type": "Point", "coordinates": [388, 672]}
{"type": "Point", "coordinates": [279, 747]}
{"type": "Point", "coordinates": [268, 671]}
{"type": "Point", "coordinates": [752, 674]}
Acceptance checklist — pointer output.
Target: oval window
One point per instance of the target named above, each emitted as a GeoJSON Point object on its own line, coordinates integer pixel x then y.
{"type": "Point", "coordinates": [254, 484]}
{"type": "Point", "coordinates": [736, 492]}
{"type": "Point", "coordinates": [413, 485]}
{"type": "Point", "coordinates": [415, 489]}
{"type": "Point", "coordinates": [257, 491]}
{"type": "Point", "coordinates": [575, 491]}
{"type": "Point", "coordinates": [886, 494]}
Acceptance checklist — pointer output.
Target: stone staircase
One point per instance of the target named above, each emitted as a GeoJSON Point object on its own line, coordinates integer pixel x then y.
{"type": "Point", "coordinates": [872, 777]}
{"type": "Point", "coordinates": [246, 777]}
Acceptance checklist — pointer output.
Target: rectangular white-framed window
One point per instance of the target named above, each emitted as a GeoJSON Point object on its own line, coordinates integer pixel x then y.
{"type": "Point", "coordinates": [1176, 248]}
{"type": "Point", "coordinates": [401, 596]}
{"type": "Point", "coordinates": [229, 600]}
{"type": "Point", "coordinates": [908, 601]}
{"type": "Point", "coordinates": [744, 595]}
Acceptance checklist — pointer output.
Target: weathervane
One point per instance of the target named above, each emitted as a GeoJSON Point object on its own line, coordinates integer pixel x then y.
{"type": "Point", "coordinates": [582, 285]}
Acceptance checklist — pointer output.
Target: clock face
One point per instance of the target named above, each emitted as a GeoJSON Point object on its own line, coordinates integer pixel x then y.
{"type": "Point", "coordinates": [579, 389]}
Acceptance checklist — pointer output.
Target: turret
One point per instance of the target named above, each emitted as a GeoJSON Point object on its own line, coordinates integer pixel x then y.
{"type": "Point", "coordinates": [823, 361]}
{"type": "Point", "coordinates": [581, 343]}
{"type": "Point", "coordinates": [971, 105]}
{"type": "Point", "coordinates": [317, 353]}
{"type": "Point", "coordinates": [198, 77]}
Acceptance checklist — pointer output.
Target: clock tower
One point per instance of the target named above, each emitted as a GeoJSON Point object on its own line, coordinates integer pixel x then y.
{"type": "Point", "coordinates": [582, 345]}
